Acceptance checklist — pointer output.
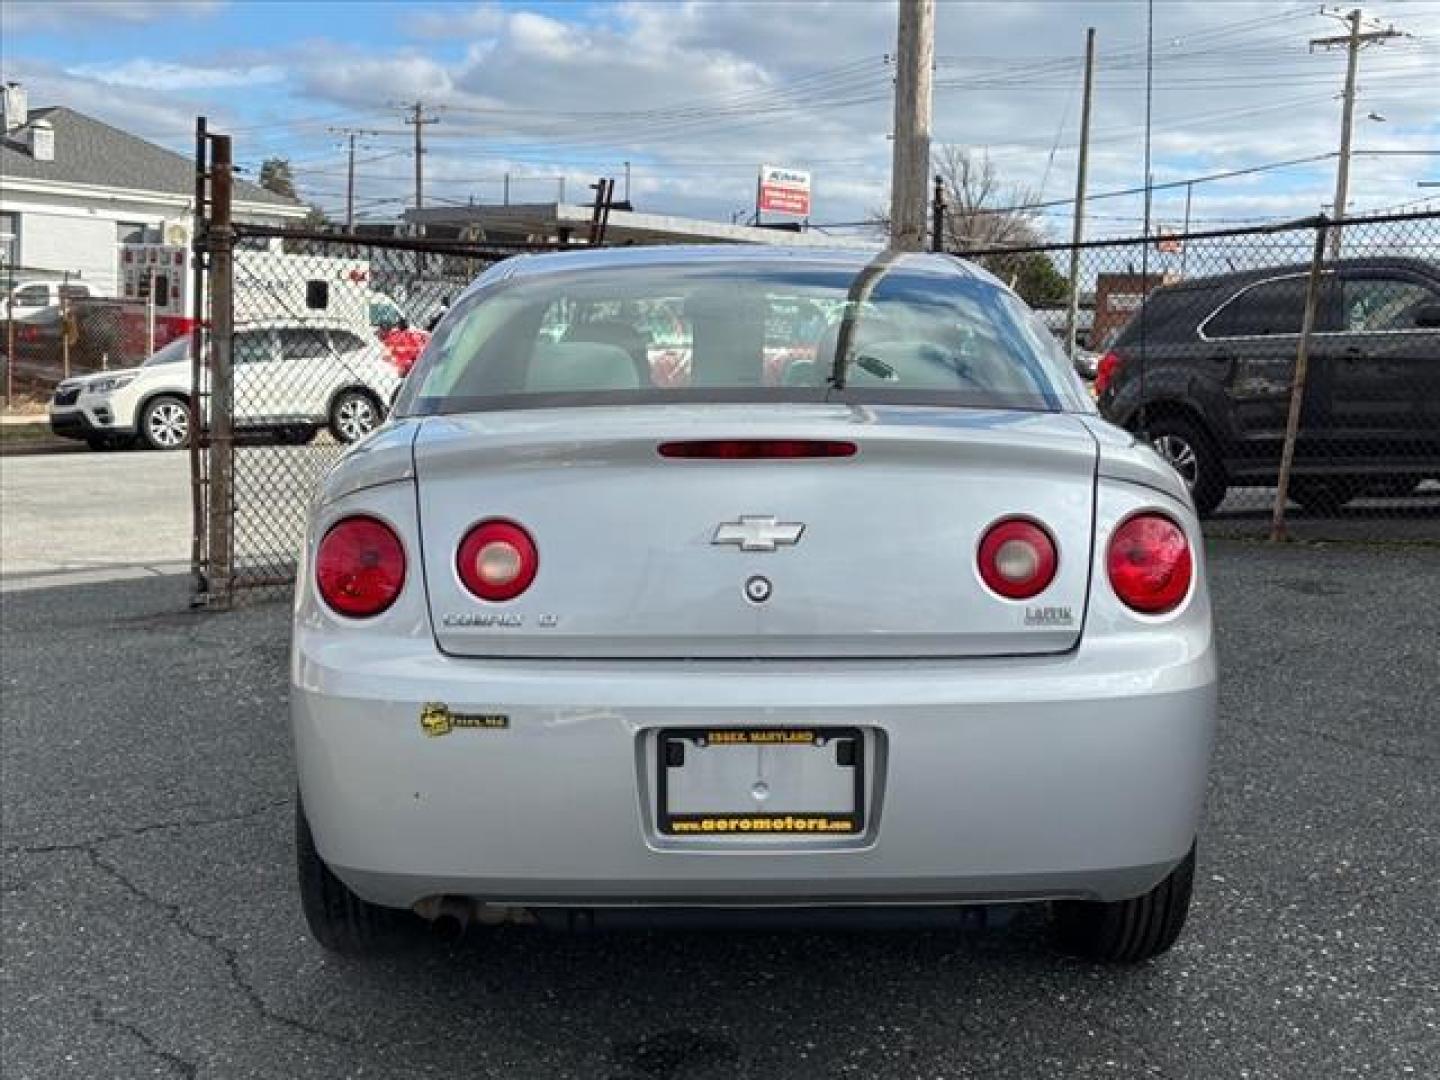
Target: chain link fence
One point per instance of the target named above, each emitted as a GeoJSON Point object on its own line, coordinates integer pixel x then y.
{"type": "Point", "coordinates": [52, 332]}
{"type": "Point", "coordinates": [325, 328]}
{"type": "Point", "coordinates": [1290, 374]}
{"type": "Point", "coordinates": [1315, 345]}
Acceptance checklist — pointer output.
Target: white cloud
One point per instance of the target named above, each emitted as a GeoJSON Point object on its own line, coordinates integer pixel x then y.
{"type": "Point", "coordinates": [165, 119]}
{"type": "Point", "coordinates": [162, 75]}
{"type": "Point", "coordinates": [696, 95]}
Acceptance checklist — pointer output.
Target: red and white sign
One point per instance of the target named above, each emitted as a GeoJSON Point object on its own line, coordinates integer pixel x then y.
{"type": "Point", "coordinates": [784, 191]}
{"type": "Point", "coordinates": [1168, 242]}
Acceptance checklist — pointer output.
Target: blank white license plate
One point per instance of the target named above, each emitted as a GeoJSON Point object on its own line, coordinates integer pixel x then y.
{"type": "Point", "coordinates": [761, 781]}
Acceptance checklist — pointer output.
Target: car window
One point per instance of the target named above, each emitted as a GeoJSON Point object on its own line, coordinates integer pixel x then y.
{"type": "Point", "coordinates": [1383, 303]}
{"type": "Point", "coordinates": [746, 327]}
{"type": "Point", "coordinates": [254, 347]}
{"type": "Point", "coordinates": [346, 342]}
{"type": "Point", "coordinates": [1263, 310]}
{"type": "Point", "coordinates": [304, 344]}
{"type": "Point", "coordinates": [30, 295]}
{"type": "Point", "coordinates": [74, 292]}
{"type": "Point", "coordinates": [385, 315]}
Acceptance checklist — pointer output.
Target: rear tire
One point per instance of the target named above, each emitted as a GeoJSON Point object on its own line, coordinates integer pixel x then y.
{"type": "Point", "coordinates": [354, 414]}
{"type": "Point", "coordinates": [1191, 452]}
{"type": "Point", "coordinates": [338, 919]}
{"type": "Point", "coordinates": [1129, 931]}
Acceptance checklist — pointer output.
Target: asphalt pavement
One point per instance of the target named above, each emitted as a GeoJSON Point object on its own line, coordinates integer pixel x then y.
{"type": "Point", "coordinates": [93, 516]}
{"type": "Point", "coordinates": [151, 926]}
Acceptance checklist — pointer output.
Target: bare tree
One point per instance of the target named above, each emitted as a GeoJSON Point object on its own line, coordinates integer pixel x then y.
{"type": "Point", "coordinates": [980, 210]}
{"type": "Point", "coordinates": [983, 213]}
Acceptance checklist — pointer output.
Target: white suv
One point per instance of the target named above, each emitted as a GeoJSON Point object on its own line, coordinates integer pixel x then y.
{"type": "Point", "coordinates": [291, 379]}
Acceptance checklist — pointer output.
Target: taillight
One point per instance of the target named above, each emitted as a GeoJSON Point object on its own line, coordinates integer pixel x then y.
{"type": "Point", "coordinates": [757, 449]}
{"type": "Point", "coordinates": [1017, 558]}
{"type": "Point", "coordinates": [1106, 370]}
{"type": "Point", "coordinates": [1149, 563]}
{"type": "Point", "coordinates": [497, 560]}
{"type": "Point", "coordinates": [360, 567]}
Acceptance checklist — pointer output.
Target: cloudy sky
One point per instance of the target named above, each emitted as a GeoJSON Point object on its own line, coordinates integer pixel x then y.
{"type": "Point", "coordinates": [695, 96]}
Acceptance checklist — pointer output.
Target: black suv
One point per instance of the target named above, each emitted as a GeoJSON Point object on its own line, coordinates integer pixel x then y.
{"type": "Point", "coordinates": [1219, 360]}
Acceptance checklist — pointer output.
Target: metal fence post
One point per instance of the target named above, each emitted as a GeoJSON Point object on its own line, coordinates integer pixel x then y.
{"type": "Point", "coordinates": [937, 215]}
{"type": "Point", "coordinates": [221, 245]}
{"type": "Point", "coordinates": [198, 420]}
{"type": "Point", "coordinates": [65, 326]}
{"type": "Point", "coordinates": [1297, 386]}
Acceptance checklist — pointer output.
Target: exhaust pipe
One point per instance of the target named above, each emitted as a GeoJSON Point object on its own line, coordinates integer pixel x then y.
{"type": "Point", "coordinates": [451, 916]}
{"type": "Point", "coordinates": [448, 916]}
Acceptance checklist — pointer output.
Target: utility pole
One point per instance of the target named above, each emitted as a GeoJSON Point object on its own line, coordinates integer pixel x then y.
{"type": "Point", "coordinates": [910, 164]}
{"type": "Point", "coordinates": [1353, 42]}
{"type": "Point", "coordinates": [1072, 315]}
{"type": "Point", "coordinates": [350, 136]}
{"type": "Point", "coordinates": [418, 120]}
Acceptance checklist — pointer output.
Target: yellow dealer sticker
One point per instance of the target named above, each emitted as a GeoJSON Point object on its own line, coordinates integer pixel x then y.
{"type": "Point", "coordinates": [437, 718]}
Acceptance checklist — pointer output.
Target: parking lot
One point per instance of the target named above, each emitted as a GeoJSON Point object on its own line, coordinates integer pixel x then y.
{"type": "Point", "coordinates": [151, 925]}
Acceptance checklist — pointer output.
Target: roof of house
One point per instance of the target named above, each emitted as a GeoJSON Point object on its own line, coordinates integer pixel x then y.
{"type": "Point", "coordinates": [90, 152]}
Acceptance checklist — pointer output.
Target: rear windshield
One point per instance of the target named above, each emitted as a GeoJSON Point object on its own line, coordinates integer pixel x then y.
{"type": "Point", "coordinates": [745, 330]}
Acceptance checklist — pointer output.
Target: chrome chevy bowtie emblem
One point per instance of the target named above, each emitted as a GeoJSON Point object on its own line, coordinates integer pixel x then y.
{"type": "Point", "coordinates": [758, 533]}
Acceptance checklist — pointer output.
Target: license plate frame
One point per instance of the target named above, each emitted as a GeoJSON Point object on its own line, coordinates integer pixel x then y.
{"type": "Point", "coordinates": [780, 824]}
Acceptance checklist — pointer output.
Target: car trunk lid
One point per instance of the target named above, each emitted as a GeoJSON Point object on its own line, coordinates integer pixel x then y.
{"type": "Point", "coordinates": [645, 555]}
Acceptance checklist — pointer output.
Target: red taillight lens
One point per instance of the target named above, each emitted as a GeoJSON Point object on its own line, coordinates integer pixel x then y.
{"type": "Point", "coordinates": [1150, 564]}
{"type": "Point", "coordinates": [497, 560]}
{"type": "Point", "coordinates": [360, 567]}
{"type": "Point", "coordinates": [1017, 558]}
{"type": "Point", "coordinates": [757, 449]}
{"type": "Point", "coordinates": [1106, 370]}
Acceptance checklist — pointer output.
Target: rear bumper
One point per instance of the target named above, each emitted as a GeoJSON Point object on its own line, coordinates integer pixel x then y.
{"type": "Point", "coordinates": [989, 780]}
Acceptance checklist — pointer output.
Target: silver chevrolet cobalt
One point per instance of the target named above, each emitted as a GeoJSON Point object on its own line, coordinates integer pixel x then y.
{"type": "Point", "coordinates": [717, 578]}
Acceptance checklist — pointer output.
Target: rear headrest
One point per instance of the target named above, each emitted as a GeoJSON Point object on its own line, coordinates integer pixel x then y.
{"type": "Point", "coordinates": [577, 366]}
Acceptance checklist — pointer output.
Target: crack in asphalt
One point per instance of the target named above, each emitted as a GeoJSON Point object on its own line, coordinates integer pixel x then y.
{"type": "Point", "coordinates": [182, 1066]}
{"type": "Point", "coordinates": [140, 830]}
{"type": "Point", "coordinates": [174, 915]}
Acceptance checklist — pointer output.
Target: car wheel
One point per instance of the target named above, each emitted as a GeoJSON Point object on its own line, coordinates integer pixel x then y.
{"type": "Point", "coordinates": [354, 415]}
{"type": "Point", "coordinates": [338, 919]}
{"type": "Point", "coordinates": [1321, 496]}
{"type": "Point", "coordinates": [1190, 451]}
{"type": "Point", "coordinates": [1128, 931]}
{"type": "Point", "coordinates": [165, 423]}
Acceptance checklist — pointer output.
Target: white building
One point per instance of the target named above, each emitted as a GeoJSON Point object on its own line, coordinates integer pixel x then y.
{"type": "Point", "coordinates": [73, 188]}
